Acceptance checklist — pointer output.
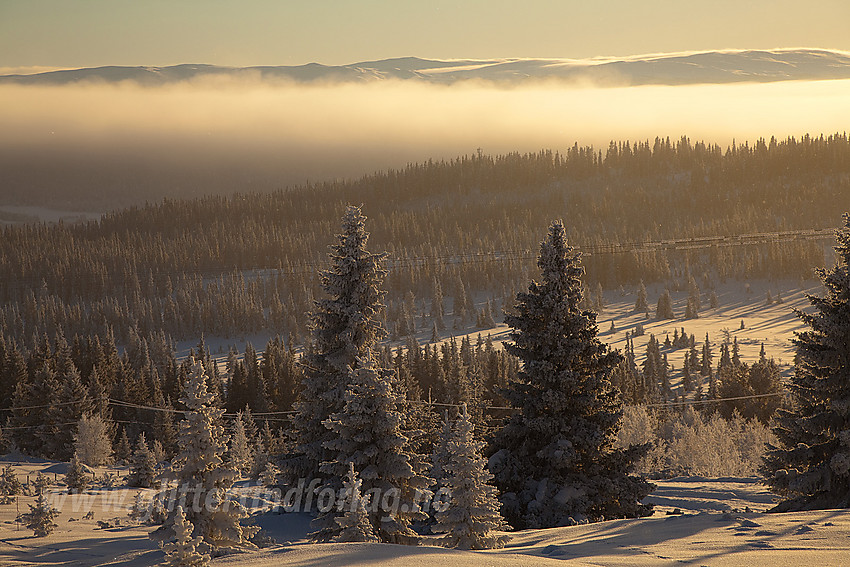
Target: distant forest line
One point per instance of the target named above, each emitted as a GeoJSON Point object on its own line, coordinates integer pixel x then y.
{"type": "Point", "coordinates": [465, 229]}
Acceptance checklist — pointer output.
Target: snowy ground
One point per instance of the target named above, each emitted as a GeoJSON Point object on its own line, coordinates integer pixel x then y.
{"type": "Point", "coordinates": [698, 521]}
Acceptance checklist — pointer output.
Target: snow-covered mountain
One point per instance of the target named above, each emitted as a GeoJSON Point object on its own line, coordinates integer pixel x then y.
{"type": "Point", "coordinates": [659, 69]}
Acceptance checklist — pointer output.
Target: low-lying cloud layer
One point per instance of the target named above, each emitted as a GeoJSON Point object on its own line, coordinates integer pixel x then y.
{"type": "Point", "coordinates": [113, 144]}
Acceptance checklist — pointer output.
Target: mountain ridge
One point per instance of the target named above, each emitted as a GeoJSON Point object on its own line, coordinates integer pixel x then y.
{"type": "Point", "coordinates": [707, 67]}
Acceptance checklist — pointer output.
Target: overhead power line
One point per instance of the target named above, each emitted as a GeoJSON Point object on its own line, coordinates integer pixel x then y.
{"type": "Point", "coordinates": [305, 268]}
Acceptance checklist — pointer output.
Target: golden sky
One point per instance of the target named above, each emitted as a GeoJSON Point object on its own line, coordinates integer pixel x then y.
{"type": "Point", "coordinates": [85, 33]}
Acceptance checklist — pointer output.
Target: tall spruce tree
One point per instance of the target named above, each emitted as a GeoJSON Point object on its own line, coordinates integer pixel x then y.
{"type": "Point", "coordinates": [810, 466]}
{"type": "Point", "coordinates": [345, 326]}
{"type": "Point", "coordinates": [554, 461]}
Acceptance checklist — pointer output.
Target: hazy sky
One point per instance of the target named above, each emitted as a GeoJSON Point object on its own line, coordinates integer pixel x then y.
{"type": "Point", "coordinates": [63, 33]}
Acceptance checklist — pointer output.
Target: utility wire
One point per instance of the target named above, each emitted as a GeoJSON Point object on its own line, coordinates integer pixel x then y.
{"type": "Point", "coordinates": [130, 405]}
{"type": "Point", "coordinates": [712, 400]}
{"type": "Point", "coordinates": [393, 262]}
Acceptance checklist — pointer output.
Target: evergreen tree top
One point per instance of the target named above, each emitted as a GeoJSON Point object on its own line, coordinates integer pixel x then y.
{"type": "Point", "coordinates": [345, 322]}
{"type": "Point", "coordinates": [195, 393]}
{"type": "Point", "coordinates": [551, 332]}
{"type": "Point", "coordinates": [559, 265]}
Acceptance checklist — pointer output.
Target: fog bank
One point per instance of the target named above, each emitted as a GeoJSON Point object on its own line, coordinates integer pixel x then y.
{"type": "Point", "coordinates": [88, 144]}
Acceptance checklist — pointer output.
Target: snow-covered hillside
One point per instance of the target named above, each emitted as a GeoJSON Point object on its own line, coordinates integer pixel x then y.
{"type": "Point", "coordinates": [708, 67]}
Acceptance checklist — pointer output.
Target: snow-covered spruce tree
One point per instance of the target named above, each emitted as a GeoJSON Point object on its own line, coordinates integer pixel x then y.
{"type": "Point", "coordinates": [77, 479]}
{"type": "Point", "coordinates": [472, 513]}
{"type": "Point", "coordinates": [92, 441]}
{"type": "Point", "coordinates": [367, 432]}
{"type": "Point", "coordinates": [268, 477]}
{"type": "Point", "coordinates": [810, 466]}
{"type": "Point", "coordinates": [142, 465]}
{"type": "Point", "coordinates": [554, 461]}
{"type": "Point", "coordinates": [345, 326]}
{"type": "Point", "coordinates": [202, 476]}
{"type": "Point", "coordinates": [41, 482]}
{"type": "Point", "coordinates": [664, 307]}
{"type": "Point", "coordinates": [183, 551]}
{"type": "Point", "coordinates": [641, 303]}
{"type": "Point", "coordinates": [440, 455]}
{"type": "Point", "coordinates": [40, 517]}
{"type": "Point", "coordinates": [241, 457]}
{"type": "Point", "coordinates": [123, 450]}
{"type": "Point", "coordinates": [354, 524]}
{"type": "Point", "coordinates": [9, 485]}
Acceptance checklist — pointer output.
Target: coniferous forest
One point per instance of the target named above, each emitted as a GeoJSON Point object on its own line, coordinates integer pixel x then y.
{"type": "Point", "coordinates": [90, 313]}
{"type": "Point", "coordinates": [461, 229]}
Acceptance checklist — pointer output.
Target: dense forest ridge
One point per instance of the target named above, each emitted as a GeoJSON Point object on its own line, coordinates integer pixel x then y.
{"type": "Point", "coordinates": [660, 69]}
{"type": "Point", "coordinates": [232, 265]}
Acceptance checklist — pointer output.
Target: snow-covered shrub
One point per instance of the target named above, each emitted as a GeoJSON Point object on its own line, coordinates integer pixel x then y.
{"type": "Point", "coordinates": [692, 444]}
{"type": "Point", "coordinates": [92, 441]}
{"type": "Point", "coordinates": [40, 483]}
{"type": "Point", "coordinates": [109, 480]}
{"type": "Point", "coordinates": [150, 511]}
{"type": "Point", "coordinates": [715, 446]}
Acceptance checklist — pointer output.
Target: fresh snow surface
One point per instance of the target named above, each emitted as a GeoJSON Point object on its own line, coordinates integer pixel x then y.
{"type": "Point", "coordinates": [698, 521]}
